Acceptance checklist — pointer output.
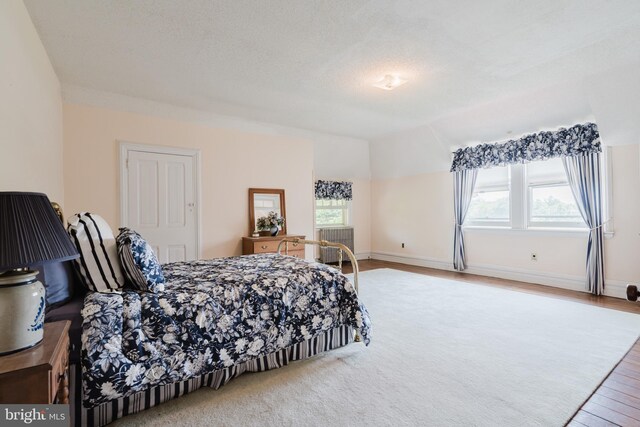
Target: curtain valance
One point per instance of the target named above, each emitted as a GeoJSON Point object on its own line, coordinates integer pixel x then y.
{"type": "Point", "coordinates": [333, 190]}
{"type": "Point", "coordinates": [578, 139]}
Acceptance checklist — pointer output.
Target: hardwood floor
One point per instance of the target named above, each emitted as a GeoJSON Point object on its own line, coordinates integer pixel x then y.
{"type": "Point", "coordinates": [616, 402]}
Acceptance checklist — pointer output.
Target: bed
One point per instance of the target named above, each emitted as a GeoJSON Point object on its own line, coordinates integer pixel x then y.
{"type": "Point", "coordinates": [215, 320]}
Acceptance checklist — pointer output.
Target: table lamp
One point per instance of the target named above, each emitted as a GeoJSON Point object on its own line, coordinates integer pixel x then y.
{"type": "Point", "coordinates": [30, 234]}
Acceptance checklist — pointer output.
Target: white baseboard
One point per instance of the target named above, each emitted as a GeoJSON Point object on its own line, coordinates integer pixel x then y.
{"type": "Point", "coordinates": [362, 255]}
{"type": "Point", "coordinates": [613, 288]}
{"type": "Point", "coordinates": [411, 260]}
{"type": "Point", "coordinates": [616, 288]}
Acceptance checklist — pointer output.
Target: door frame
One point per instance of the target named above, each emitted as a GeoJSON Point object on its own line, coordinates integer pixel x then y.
{"type": "Point", "coordinates": [126, 147]}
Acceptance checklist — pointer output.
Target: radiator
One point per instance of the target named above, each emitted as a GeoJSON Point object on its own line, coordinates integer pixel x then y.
{"type": "Point", "coordinates": [342, 235]}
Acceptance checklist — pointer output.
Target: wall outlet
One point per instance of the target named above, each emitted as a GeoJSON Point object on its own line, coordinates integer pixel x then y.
{"type": "Point", "coordinates": [403, 246]}
{"type": "Point", "coordinates": [534, 256]}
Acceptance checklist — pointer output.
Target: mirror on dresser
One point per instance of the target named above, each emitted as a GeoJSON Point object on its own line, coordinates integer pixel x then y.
{"type": "Point", "coordinates": [265, 200]}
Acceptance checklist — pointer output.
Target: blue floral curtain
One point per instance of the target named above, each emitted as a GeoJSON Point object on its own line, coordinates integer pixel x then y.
{"type": "Point", "coordinates": [333, 190]}
{"type": "Point", "coordinates": [578, 139]}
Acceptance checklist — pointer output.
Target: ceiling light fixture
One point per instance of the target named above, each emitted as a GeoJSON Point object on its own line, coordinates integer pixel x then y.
{"type": "Point", "coordinates": [389, 82]}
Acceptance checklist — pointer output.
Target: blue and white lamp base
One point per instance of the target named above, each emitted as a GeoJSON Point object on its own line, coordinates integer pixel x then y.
{"type": "Point", "coordinates": [22, 309]}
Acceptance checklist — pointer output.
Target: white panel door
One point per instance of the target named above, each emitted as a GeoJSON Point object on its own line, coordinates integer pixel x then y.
{"type": "Point", "coordinates": [162, 203]}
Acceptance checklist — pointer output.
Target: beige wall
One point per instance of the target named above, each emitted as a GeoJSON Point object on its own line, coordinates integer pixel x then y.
{"type": "Point", "coordinates": [232, 162]}
{"type": "Point", "coordinates": [418, 211]}
{"type": "Point", "coordinates": [30, 108]}
{"type": "Point", "coordinates": [361, 216]}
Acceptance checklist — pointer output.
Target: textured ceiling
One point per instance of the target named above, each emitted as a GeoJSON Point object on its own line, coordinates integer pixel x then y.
{"type": "Point", "coordinates": [310, 64]}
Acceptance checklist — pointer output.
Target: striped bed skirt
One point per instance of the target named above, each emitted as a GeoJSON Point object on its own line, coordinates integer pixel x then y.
{"type": "Point", "coordinates": [110, 411]}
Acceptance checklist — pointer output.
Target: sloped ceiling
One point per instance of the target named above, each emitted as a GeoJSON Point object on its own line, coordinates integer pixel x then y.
{"type": "Point", "coordinates": [478, 71]}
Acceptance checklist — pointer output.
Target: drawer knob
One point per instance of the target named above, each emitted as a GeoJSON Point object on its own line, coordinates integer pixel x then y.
{"type": "Point", "coordinates": [295, 244]}
{"type": "Point", "coordinates": [264, 247]}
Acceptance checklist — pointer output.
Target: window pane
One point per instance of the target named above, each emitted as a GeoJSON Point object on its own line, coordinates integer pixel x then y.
{"type": "Point", "coordinates": [546, 171]}
{"type": "Point", "coordinates": [329, 217]}
{"type": "Point", "coordinates": [331, 203]}
{"type": "Point", "coordinates": [332, 212]}
{"type": "Point", "coordinates": [493, 176]}
{"type": "Point", "coordinates": [554, 204]}
{"type": "Point", "coordinates": [489, 206]}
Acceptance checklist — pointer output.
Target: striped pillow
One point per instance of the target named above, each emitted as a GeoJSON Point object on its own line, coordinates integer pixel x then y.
{"type": "Point", "coordinates": [98, 264]}
{"type": "Point", "coordinates": [139, 262]}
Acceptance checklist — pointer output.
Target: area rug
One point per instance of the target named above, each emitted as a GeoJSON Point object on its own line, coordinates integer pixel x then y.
{"type": "Point", "coordinates": [444, 353]}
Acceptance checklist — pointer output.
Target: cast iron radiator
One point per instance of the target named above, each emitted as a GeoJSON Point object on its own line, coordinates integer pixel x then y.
{"type": "Point", "coordinates": [342, 235]}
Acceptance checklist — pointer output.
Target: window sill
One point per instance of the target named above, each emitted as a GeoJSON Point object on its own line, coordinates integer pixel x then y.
{"type": "Point", "coordinates": [538, 231]}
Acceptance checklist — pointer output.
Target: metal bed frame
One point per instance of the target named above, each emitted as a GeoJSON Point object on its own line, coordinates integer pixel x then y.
{"type": "Point", "coordinates": [323, 243]}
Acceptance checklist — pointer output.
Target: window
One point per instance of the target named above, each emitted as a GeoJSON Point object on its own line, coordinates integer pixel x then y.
{"type": "Point", "coordinates": [535, 195]}
{"type": "Point", "coordinates": [332, 213]}
{"type": "Point", "coordinates": [550, 202]}
{"type": "Point", "coordinates": [490, 204]}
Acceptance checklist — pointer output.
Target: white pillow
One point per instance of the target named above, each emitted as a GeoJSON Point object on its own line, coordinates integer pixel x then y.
{"type": "Point", "coordinates": [99, 265]}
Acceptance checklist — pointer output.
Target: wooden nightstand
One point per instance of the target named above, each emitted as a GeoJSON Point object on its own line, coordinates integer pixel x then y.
{"type": "Point", "coordinates": [269, 244]}
{"type": "Point", "coordinates": [39, 374]}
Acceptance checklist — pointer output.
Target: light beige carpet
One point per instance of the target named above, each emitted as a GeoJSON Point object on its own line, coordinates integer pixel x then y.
{"type": "Point", "coordinates": [444, 353]}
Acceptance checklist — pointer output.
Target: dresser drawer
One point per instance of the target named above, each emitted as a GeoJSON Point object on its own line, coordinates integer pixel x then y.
{"type": "Point", "coordinates": [269, 244]}
{"type": "Point", "coordinates": [59, 369]}
{"type": "Point", "coordinates": [265, 247]}
{"type": "Point", "coordinates": [297, 254]}
{"type": "Point", "coordinates": [293, 247]}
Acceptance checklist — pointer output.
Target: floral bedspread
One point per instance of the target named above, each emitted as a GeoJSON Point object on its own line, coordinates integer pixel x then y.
{"type": "Point", "coordinates": [212, 314]}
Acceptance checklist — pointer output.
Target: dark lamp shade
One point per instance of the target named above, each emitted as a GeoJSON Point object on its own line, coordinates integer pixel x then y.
{"type": "Point", "coordinates": [31, 232]}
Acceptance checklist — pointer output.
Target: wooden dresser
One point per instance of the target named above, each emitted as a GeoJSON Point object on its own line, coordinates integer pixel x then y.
{"type": "Point", "coordinates": [39, 374]}
{"type": "Point", "coordinates": [269, 244]}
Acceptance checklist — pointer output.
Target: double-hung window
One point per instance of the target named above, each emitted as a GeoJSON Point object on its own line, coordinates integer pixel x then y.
{"type": "Point", "coordinates": [333, 213]}
{"type": "Point", "coordinates": [550, 202]}
{"type": "Point", "coordinates": [491, 202]}
{"type": "Point", "coordinates": [535, 195]}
